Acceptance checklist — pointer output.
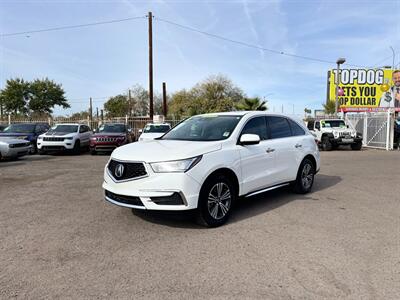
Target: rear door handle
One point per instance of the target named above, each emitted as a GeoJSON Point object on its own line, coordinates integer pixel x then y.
{"type": "Point", "coordinates": [298, 145]}
{"type": "Point", "coordinates": [269, 150]}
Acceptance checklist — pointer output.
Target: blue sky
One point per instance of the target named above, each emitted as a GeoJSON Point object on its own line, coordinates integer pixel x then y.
{"type": "Point", "coordinates": [105, 60]}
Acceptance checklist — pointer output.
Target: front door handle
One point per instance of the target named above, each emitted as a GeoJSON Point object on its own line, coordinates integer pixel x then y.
{"type": "Point", "coordinates": [269, 150]}
{"type": "Point", "coordinates": [298, 145]}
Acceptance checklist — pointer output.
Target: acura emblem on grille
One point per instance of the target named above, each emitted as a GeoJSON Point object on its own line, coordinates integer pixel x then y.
{"type": "Point", "coordinates": [119, 170]}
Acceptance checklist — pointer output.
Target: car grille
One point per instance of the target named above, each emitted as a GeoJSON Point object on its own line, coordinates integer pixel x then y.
{"type": "Point", "coordinates": [129, 170]}
{"type": "Point", "coordinates": [106, 139]}
{"type": "Point", "coordinates": [53, 139]}
{"type": "Point", "coordinates": [124, 199]}
{"type": "Point", "coordinates": [20, 145]}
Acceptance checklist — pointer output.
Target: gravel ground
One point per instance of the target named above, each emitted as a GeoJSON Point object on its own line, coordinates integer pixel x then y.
{"type": "Point", "coordinates": [60, 239]}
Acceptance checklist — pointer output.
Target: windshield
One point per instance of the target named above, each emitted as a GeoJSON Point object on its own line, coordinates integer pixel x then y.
{"type": "Point", "coordinates": [333, 123]}
{"type": "Point", "coordinates": [20, 128]}
{"type": "Point", "coordinates": [156, 128]}
{"type": "Point", "coordinates": [115, 128]}
{"type": "Point", "coordinates": [204, 128]}
{"type": "Point", "coordinates": [64, 128]}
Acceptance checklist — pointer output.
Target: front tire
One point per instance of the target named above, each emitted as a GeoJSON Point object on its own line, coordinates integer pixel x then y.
{"type": "Point", "coordinates": [42, 152]}
{"type": "Point", "coordinates": [326, 144]}
{"type": "Point", "coordinates": [356, 146]}
{"type": "Point", "coordinates": [215, 201]}
{"type": "Point", "coordinates": [77, 147]}
{"type": "Point", "coordinates": [305, 177]}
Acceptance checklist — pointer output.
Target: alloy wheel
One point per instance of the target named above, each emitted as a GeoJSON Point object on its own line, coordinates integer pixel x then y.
{"type": "Point", "coordinates": [307, 176]}
{"type": "Point", "coordinates": [219, 200]}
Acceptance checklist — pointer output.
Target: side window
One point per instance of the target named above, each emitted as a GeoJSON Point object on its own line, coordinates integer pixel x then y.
{"type": "Point", "coordinates": [257, 126]}
{"type": "Point", "coordinates": [317, 125]}
{"type": "Point", "coordinates": [87, 128]}
{"type": "Point", "coordinates": [38, 128]}
{"type": "Point", "coordinates": [279, 127]}
{"type": "Point", "coordinates": [310, 125]}
{"type": "Point", "coordinates": [296, 129]}
{"type": "Point", "coordinates": [82, 129]}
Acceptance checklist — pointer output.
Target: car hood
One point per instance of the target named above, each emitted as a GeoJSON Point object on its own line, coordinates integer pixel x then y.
{"type": "Point", "coordinates": [16, 135]}
{"type": "Point", "coordinates": [164, 150]}
{"type": "Point", "coordinates": [11, 140]}
{"type": "Point", "coordinates": [63, 134]}
{"type": "Point", "coordinates": [151, 136]}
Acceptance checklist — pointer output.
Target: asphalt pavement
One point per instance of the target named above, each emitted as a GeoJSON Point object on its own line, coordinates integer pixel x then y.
{"type": "Point", "coordinates": [60, 239]}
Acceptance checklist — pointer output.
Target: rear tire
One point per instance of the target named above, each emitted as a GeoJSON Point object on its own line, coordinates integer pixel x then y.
{"type": "Point", "coordinates": [305, 177]}
{"type": "Point", "coordinates": [326, 145]}
{"type": "Point", "coordinates": [216, 198]}
{"type": "Point", "coordinates": [356, 146]}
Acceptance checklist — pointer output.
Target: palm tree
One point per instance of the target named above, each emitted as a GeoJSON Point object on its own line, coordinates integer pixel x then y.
{"type": "Point", "coordinates": [252, 104]}
{"type": "Point", "coordinates": [329, 107]}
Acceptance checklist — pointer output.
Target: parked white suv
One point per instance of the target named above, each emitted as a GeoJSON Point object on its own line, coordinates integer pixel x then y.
{"type": "Point", "coordinates": [330, 133]}
{"type": "Point", "coordinates": [208, 161]}
{"type": "Point", "coordinates": [64, 137]}
{"type": "Point", "coordinates": [153, 130]}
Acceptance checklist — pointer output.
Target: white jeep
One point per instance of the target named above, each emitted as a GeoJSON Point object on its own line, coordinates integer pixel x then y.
{"type": "Point", "coordinates": [330, 133]}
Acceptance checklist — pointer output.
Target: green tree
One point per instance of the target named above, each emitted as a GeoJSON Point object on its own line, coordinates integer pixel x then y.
{"type": "Point", "coordinates": [252, 104]}
{"type": "Point", "coordinates": [215, 94]}
{"type": "Point", "coordinates": [15, 96]}
{"type": "Point", "coordinates": [140, 98]}
{"type": "Point", "coordinates": [39, 97]}
{"type": "Point", "coordinates": [329, 107]}
{"type": "Point", "coordinates": [44, 95]}
{"type": "Point", "coordinates": [116, 106]}
{"type": "Point", "coordinates": [80, 115]}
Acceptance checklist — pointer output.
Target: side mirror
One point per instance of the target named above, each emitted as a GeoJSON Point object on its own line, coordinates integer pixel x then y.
{"type": "Point", "coordinates": [140, 130]}
{"type": "Point", "coordinates": [129, 130]}
{"type": "Point", "coordinates": [249, 139]}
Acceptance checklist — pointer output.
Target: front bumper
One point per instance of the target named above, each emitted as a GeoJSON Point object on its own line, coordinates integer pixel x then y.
{"type": "Point", "coordinates": [157, 191]}
{"type": "Point", "coordinates": [16, 152]}
{"type": "Point", "coordinates": [55, 146]}
{"type": "Point", "coordinates": [104, 146]}
{"type": "Point", "coordinates": [346, 141]}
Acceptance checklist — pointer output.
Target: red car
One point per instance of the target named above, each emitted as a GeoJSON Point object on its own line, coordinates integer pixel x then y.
{"type": "Point", "coordinates": [110, 136]}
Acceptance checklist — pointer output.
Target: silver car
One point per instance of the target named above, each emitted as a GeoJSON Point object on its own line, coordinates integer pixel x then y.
{"type": "Point", "coordinates": [13, 148]}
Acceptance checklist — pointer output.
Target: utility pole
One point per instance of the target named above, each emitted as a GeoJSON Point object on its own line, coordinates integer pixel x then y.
{"type": "Point", "coordinates": [130, 103]}
{"type": "Point", "coordinates": [164, 93]}
{"type": "Point", "coordinates": [150, 17]}
{"type": "Point", "coordinates": [90, 111]}
{"type": "Point", "coordinates": [97, 114]}
{"type": "Point", "coordinates": [338, 63]}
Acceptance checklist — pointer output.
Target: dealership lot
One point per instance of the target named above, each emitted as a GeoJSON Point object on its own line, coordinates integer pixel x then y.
{"type": "Point", "coordinates": [60, 239]}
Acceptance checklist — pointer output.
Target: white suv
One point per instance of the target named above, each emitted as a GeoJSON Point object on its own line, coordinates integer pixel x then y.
{"type": "Point", "coordinates": [153, 130]}
{"type": "Point", "coordinates": [64, 137]}
{"type": "Point", "coordinates": [208, 161]}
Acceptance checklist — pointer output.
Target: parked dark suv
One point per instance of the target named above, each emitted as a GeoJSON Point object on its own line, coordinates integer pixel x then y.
{"type": "Point", "coordinates": [26, 131]}
{"type": "Point", "coordinates": [110, 136]}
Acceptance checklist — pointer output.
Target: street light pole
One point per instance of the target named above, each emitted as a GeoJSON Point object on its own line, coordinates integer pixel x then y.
{"type": "Point", "coordinates": [338, 63]}
{"type": "Point", "coordinates": [394, 55]}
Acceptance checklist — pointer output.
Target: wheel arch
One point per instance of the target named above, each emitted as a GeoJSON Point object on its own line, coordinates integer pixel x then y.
{"type": "Point", "coordinates": [312, 159]}
{"type": "Point", "coordinates": [226, 172]}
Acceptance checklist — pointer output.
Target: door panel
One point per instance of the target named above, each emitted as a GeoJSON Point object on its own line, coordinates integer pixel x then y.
{"type": "Point", "coordinates": [257, 166]}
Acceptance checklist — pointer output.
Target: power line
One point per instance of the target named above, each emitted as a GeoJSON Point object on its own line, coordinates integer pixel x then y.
{"type": "Point", "coordinates": [70, 26]}
{"type": "Point", "coordinates": [252, 45]}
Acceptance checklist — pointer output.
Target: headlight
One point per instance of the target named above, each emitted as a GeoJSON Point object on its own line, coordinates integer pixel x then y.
{"type": "Point", "coordinates": [176, 166]}
{"type": "Point", "coordinates": [69, 138]}
{"type": "Point", "coordinates": [40, 138]}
